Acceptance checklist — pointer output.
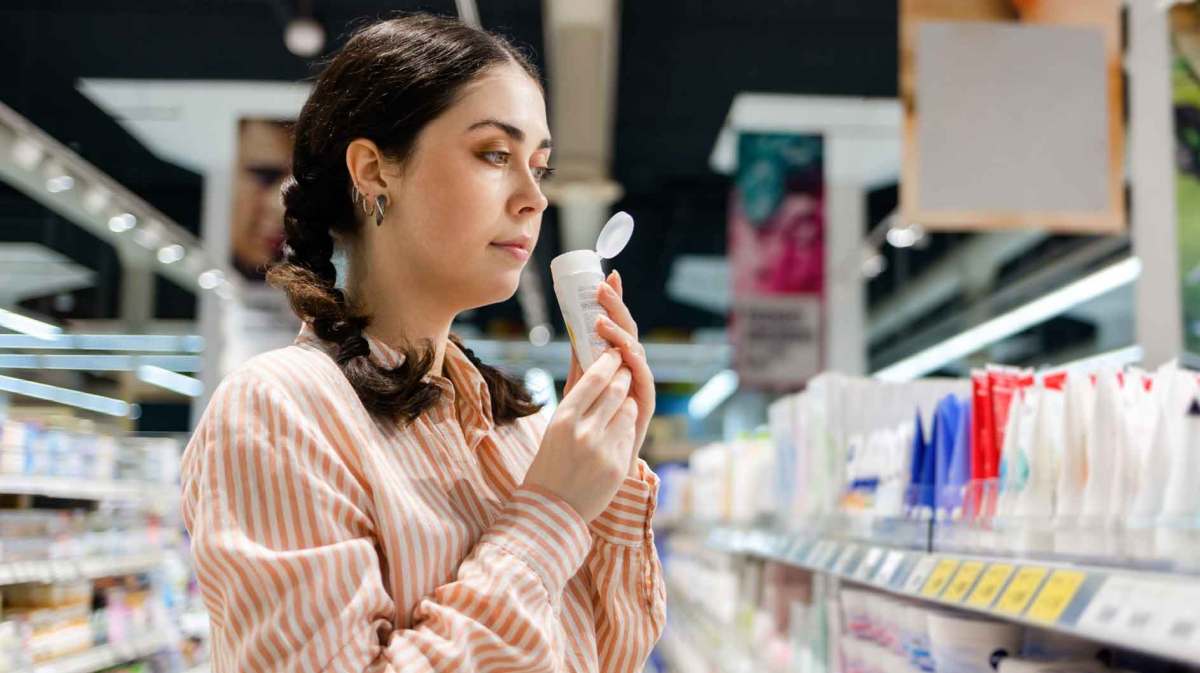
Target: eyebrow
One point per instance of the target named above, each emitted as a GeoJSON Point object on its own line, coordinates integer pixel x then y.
{"type": "Point", "coordinates": [509, 130]}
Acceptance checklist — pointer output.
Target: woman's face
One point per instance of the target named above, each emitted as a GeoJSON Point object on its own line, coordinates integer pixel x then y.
{"type": "Point", "coordinates": [466, 205]}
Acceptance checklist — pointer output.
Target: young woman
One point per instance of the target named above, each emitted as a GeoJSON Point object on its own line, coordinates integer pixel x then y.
{"type": "Point", "coordinates": [372, 497]}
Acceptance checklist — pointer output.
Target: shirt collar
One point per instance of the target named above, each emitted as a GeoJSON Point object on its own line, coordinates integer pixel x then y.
{"type": "Point", "coordinates": [461, 381]}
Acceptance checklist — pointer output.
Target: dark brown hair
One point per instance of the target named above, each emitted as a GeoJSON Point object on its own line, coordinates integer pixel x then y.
{"type": "Point", "coordinates": [386, 84]}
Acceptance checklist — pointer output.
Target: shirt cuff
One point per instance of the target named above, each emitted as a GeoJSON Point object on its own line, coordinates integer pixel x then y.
{"type": "Point", "coordinates": [627, 520]}
{"type": "Point", "coordinates": [546, 533]}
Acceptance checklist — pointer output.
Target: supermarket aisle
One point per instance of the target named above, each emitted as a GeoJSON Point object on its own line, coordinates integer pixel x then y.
{"type": "Point", "coordinates": [912, 288]}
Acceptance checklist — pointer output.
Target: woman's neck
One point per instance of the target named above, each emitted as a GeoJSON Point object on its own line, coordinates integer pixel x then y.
{"type": "Point", "coordinates": [404, 319]}
{"type": "Point", "coordinates": [400, 324]}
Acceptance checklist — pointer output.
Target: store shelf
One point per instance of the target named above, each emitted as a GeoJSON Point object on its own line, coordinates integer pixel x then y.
{"type": "Point", "coordinates": [19, 572]}
{"type": "Point", "coordinates": [105, 656]}
{"type": "Point", "coordinates": [1154, 613]}
{"type": "Point", "coordinates": [693, 642]}
{"type": "Point", "coordinates": [85, 489]}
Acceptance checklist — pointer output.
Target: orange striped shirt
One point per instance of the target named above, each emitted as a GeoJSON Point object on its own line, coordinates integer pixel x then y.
{"type": "Point", "coordinates": [325, 540]}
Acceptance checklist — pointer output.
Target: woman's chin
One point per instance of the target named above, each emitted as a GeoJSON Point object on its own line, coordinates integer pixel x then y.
{"type": "Point", "coordinates": [502, 289]}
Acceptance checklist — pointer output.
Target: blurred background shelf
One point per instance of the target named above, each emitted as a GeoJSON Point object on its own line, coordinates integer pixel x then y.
{"type": "Point", "coordinates": [84, 489]}
{"type": "Point", "coordinates": [105, 656]}
{"type": "Point", "coordinates": [18, 572]}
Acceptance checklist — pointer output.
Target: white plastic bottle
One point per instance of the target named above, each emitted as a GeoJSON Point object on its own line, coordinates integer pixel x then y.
{"type": "Point", "coordinates": [577, 277]}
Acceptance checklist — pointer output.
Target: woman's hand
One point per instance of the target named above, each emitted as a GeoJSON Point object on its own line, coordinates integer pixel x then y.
{"type": "Point", "coordinates": [620, 330]}
{"type": "Point", "coordinates": [585, 451]}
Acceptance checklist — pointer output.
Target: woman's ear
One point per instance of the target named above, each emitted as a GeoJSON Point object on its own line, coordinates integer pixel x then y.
{"type": "Point", "coordinates": [364, 161]}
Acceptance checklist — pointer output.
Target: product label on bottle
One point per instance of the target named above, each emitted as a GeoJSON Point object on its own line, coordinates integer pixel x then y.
{"type": "Point", "coordinates": [592, 310]}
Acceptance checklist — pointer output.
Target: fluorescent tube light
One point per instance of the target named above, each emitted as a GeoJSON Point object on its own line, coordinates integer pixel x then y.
{"type": "Point", "coordinates": [1013, 322]}
{"type": "Point", "coordinates": [73, 398]}
{"type": "Point", "coordinates": [25, 325]}
{"type": "Point", "coordinates": [713, 393]}
{"type": "Point", "coordinates": [165, 378]}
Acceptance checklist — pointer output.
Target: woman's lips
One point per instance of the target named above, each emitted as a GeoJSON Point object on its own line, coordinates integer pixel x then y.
{"type": "Point", "coordinates": [518, 250]}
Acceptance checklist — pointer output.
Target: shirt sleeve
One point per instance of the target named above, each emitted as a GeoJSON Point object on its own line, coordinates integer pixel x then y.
{"type": "Point", "coordinates": [628, 594]}
{"type": "Point", "coordinates": [287, 559]}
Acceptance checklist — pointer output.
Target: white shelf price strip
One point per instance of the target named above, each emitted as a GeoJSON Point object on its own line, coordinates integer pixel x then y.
{"type": "Point", "coordinates": [887, 569]}
{"type": "Point", "coordinates": [85, 489]}
{"type": "Point", "coordinates": [20, 572]}
{"type": "Point", "coordinates": [867, 566]}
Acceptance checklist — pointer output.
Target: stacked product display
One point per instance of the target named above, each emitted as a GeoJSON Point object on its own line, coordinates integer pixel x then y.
{"type": "Point", "coordinates": [984, 512]}
{"type": "Point", "coordinates": [93, 566]}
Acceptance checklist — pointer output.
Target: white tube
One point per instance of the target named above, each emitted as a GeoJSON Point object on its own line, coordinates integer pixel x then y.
{"type": "Point", "coordinates": [577, 277]}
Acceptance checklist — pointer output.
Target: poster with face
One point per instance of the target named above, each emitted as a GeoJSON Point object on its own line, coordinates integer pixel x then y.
{"type": "Point", "coordinates": [777, 259]}
{"type": "Point", "coordinates": [264, 161]}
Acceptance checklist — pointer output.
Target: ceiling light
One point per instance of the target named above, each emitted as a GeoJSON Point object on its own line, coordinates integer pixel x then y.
{"type": "Point", "coordinates": [173, 381]}
{"type": "Point", "coordinates": [93, 362]}
{"type": "Point", "coordinates": [57, 180]}
{"type": "Point", "coordinates": [304, 37]}
{"type": "Point", "coordinates": [171, 253]}
{"type": "Point", "coordinates": [25, 325]}
{"type": "Point", "coordinates": [712, 394]}
{"type": "Point", "coordinates": [1013, 322]}
{"type": "Point", "coordinates": [27, 153]}
{"type": "Point", "coordinates": [540, 335]}
{"type": "Point", "coordinates": [96, 199]}
{"type": "Point", "coordinates": [146, 237]}
{"type": "Point", "coordinates": [119, 224]}
{"type": "Point", "coordinates": [210, 279]}
{"type": "Point", "coordinates": [873, 263]}
{"type": "Point", "coordinates": [156, 343]}
{"type": "Point", "coordinates": [73, 398]}
{"type": "Point", "coordinates": [904, 236]}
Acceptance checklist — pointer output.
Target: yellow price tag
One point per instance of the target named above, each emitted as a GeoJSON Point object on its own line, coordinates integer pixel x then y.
{"type": "Point", "coordinates": [939, 578]}
{"type": "Point", "coordinates": [1021, 590]}
{"type": "Point", "coordinates": [963, 580]}
{"type": "Point", "coordinates": [990, 585]}
{"type": "Point", "coordinates": [1054, 598]}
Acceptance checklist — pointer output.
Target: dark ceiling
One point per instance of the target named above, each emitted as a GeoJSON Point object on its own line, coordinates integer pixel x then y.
{"type": "Point", "coordinates": [681, 63]}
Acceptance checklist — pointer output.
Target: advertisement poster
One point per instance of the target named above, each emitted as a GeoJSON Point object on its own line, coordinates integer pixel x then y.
{"type": "Point", "coordinates": [1185, 84]}
{"type": "Point", "coordinates": [777, 259]}
{"type": "Point", "coordinates": [264, 160]}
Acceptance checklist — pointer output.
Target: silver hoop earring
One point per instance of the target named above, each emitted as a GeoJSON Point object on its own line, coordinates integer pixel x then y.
{"type": "Point", "coordinates": [380, 209]}
{"type": "Point", "coordinates": [361, 202]}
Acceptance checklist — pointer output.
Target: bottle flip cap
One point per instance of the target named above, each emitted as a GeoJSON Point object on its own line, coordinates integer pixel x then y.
{"type": "Point", "coordinates": [615, 235]}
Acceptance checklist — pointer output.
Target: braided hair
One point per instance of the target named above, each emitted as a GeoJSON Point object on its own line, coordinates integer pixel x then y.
{"type": "Point", "coordinates": [386, 84]}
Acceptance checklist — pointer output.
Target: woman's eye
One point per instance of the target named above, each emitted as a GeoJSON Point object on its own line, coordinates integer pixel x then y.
{"type": "Point", "coordinates": [496, 157]}
{"type": "Point", "coordinates": [543, 173]}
